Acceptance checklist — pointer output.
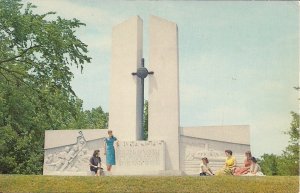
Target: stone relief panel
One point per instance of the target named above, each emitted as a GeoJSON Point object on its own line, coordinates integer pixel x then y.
{"type": "Point", "coordinates": [197, 153]}
{"type": "Point", "coordinates": [72, 159]}
{"type": "Point", "coordinates": [192, 150]}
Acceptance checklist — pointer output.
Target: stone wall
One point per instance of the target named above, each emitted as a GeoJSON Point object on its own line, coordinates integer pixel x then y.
{"type": "Point", "coordinates": [67, 152]}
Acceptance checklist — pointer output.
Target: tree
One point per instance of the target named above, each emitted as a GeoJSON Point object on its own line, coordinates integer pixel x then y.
{"type": "Point", "coordinates": [96, 119]}
{"type": "Point", "coordinates": [268, 164]}
{"type": "Point", "coordinates": [288, 162]}
{"type": "Point", "coordinates": [34, 49]}
{"type": "Point", "coordinates": [145, 121]}
{"type": "Point", "coordinates": [35, 92]}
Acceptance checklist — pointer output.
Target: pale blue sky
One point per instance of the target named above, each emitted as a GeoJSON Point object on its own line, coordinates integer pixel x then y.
{"type": "Point", "coordinates": [238, 60]}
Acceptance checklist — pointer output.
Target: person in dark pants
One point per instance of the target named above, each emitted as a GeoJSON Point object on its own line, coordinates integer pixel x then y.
{"type": "Point", "coordinates": [95, 163]}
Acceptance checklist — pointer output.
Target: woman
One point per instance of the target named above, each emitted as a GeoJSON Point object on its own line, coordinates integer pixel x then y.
{"type": "Point", "coordinates": [230, 164]}
{"type": "Point", "coordinates": [245, 169]}
{"type": "Point", "coordinates": [110, 150]}
{"type": "Point", "coordinates": [255, 169]}
{"type": "Point", "coordinates": [204, 168]}
{"type": "Point", "coordinates": [95, 163]}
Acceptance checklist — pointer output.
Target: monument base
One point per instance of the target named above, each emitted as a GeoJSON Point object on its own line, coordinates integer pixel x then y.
{"type": "Point", "coordinates": [67, 152]}
{"type": "Point", "coordinates": [147, 173]}
{"type": "Point", "coordinates": [140, 158]}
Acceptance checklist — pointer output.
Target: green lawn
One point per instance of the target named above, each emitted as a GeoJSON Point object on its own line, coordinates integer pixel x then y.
{"type": "Point", "coordinates": [215, 184]}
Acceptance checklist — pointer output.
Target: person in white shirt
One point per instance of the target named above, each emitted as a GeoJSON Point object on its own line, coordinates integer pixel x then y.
{"type": "Point", "coordinates": [204, 168]}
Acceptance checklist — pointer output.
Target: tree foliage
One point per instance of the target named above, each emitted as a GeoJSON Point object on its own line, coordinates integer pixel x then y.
{"type": "Point", "coordinates": [268, 164]}
{"type": "Point", "coordinates": [36, 53]}
{"type": "Point", "coordinates": [36, 50]}
{"type": "Point", "coordinates": [91, 119]}
{"type": "Point", "coordinates": [288, 162]}
{"type": "Point", "coordinates": [145, 121]}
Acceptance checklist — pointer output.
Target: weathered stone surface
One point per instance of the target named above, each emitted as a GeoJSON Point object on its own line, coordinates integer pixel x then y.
{"type": "Point", "coordinates": [71, 156]}
{"type": "Point", "coordinates": [124, 98]}
{"type": "Point", "coordinates": [164, 88]}
{"type": "Point", "coordinates": [140, 157]}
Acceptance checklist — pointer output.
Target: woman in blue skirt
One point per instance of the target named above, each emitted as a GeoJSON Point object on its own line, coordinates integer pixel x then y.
{"type": "Point", "coordinates": [110, 150]}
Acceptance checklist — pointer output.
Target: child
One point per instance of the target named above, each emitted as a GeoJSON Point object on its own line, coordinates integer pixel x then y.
{"type": "Point", "coordinates": [204, 168]}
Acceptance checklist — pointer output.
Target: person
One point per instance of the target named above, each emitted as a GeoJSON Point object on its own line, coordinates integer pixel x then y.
{"type": "Point", "coordinates": [255, 169]}
{"type": "Point", "coordinates": [110, 150]}
{"type": "Point", "coordinates": [204, 168]}
{"type": "Point", "coordinates": [229, 166]}
{"type": "Point", "coordinates": [245, 169]}
{"type": "Point", "coordinates": [95, 163]}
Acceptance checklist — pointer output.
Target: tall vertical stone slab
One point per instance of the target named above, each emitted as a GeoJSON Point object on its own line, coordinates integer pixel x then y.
{"type": "Point", "coordinates": [125, 103]}
{"type": "Point", "coordinates": [163, 120]}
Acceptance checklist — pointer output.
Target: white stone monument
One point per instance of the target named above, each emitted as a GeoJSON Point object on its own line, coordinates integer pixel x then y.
{"type": "Point", "coordinates": [124, 98]}
{"type": "Point", "coordinates": [163, 102]}
{"type": "Point", "coordinates": [170, 149]}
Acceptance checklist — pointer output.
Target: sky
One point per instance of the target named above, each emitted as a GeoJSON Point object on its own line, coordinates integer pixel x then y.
{"type": "Point", "coordinates": [238, 60]}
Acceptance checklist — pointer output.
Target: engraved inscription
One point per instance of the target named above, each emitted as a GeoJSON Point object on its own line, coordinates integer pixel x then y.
{"type": "Point", "coordinates": [140, 154]}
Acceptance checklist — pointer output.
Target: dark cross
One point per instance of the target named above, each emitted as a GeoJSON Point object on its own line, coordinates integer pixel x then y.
{"type": "Point", "coordinates": [142, 73]}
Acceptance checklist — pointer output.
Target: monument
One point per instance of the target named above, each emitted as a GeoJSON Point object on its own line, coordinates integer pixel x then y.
{"type": "Point", "coordinates": [170, 148]}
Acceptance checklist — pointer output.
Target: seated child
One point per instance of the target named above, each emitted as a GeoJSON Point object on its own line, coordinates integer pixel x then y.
{"type": "Point", "coordinates": [204, 168]}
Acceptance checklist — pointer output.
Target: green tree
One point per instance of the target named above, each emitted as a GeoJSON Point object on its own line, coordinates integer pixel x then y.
{"type": "Point", "coordinates": [96, 119]}
{"type": "Point", "coordinates": [145, 120]}
{"type": "Point", "coordinates": [289, 164]}
{"type": "Point", "coordinates": [268, 163]}
{"type": "Point", "coordinates": [36, 53]}
{"type": "Point", "coordinates": [90, 119]}
{"type": "Point", "coordinates": [36, 49]}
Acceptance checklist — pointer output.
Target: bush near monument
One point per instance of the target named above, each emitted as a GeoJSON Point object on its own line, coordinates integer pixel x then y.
{"type": "Point", "coordinates": [180, 184]}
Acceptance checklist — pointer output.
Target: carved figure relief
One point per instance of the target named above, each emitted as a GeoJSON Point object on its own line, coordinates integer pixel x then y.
{"type": "Point", "coordinates": [140, 153]}
{"type": "Point", "coordinates": [73, 158]}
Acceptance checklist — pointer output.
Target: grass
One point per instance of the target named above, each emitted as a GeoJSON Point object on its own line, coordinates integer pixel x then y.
{"type": "Point", "coordinates": [157, 184]}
